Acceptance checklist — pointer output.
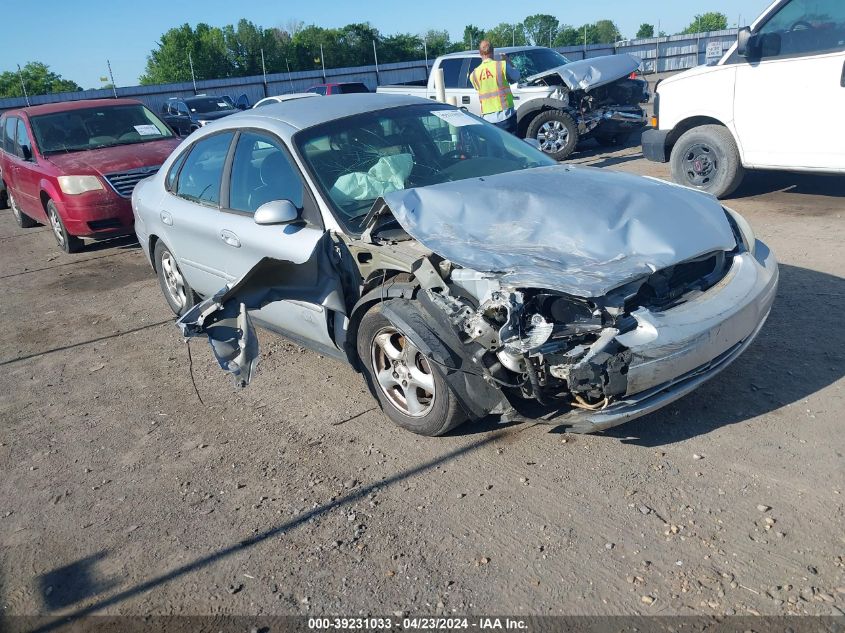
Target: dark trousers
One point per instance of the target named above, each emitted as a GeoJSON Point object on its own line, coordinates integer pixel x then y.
{"type": "Point", "coordinates": [508, 125]}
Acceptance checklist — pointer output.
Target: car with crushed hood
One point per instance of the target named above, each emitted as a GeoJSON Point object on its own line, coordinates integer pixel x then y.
{"type": "Point", "coordinates": [463, 272]}
{"type": "Point", "coordinates": [558, 102]}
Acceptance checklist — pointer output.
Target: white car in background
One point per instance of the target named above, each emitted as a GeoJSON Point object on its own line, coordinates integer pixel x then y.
{"type": "Point", "coordinates": [774, 101]}
{"type": "Point", "coordinates": [282, 98]}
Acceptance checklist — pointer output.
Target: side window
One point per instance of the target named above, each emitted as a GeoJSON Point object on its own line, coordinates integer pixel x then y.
{"type": "Point", "coordinates": [23, 144]}
{"type": "Point", "coordinates": [320, 90]}
{"type": "Point", "coordinates": [261, 172]}
{"type": "Point", "coordinates": [2, 134]}
{"type": "Point", "coordinates": [451, 71]}
{"type": "Point", "coordinates": [201, 175]}
{"type": "Point", "coordinates": [804, 27]}
{"type": "Point", "coordinates": [9, 135]}
{"type": "Point", "coordinates": [170, 183]}
{"type": "Point", "coordinates": [182, 108]}
{"type": "Point", "coordinates": [474, 63]}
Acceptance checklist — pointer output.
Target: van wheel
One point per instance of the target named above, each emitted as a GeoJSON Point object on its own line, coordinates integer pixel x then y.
{"type": "Point", "coordinates": [175, 288]}
{"type": "Point", "coordinates": [24, 221]}
{"type": "Point", "coordinates": [410, 387]}
{"type": "Point", "coordinates": [706, 158]}
{"type": "Point", "coordinates": [67, 242]}
{"type": "Point", "coordinates": [555, 131]}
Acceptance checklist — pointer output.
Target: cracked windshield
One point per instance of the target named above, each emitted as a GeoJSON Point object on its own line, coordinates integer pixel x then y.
{"type": "Point", "coordinates": [359, 158]}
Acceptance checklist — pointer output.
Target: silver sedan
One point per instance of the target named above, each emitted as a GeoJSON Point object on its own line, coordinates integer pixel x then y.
{"type": "Point", "coordinates": [459, 269]}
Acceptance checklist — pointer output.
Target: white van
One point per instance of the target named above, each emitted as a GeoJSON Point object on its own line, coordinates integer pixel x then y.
{"type": "Point", "coordinates": [776, 100]}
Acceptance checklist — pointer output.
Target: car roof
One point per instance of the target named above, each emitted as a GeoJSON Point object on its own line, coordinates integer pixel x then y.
{"type": "Point", "coordinates": [507, 50]}
{"type": "Point", "coordinates": [66, 106]}
{"type": "Point", "coordinates": [304, 113]}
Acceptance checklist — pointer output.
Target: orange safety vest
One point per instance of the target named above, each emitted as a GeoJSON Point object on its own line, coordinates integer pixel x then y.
{"type": "Point", "coordinates": [490, 79]}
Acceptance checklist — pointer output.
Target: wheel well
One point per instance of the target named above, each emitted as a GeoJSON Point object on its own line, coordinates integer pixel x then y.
{"type": "Point", "coordinates": [44, 200]}
{"type": "Point", "coordinates": [152, 249]}
{"type": "Point", "coordinates": [685, 126]}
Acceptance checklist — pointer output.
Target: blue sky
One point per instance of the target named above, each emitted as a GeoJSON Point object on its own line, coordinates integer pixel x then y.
{"type": "Point", "coordinates": [75, 37]}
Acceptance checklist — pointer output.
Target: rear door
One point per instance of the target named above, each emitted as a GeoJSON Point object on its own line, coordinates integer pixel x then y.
{"type": "Point", "coordinates": [27, 173]}
{"type": "Point", "coordinates": [789, 104]}
{"type": "Point", "coordinates": [457, 85]}
{"type": "Point", "coordinates": [262, 171]}
{"type": "Point", "coordinates": [191, 209]}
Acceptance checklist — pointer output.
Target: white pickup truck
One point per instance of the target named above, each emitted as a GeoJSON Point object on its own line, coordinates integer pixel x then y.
{"type": "Point", "coordinates": [775, 100]}
{"type": "Point", "coordinates": [558, 102]}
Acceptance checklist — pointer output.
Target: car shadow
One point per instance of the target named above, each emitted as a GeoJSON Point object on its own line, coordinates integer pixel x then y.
{"type": "Point", "coordinates": [124, 242]}
{"type": "Point", "coordinates": [759, 182]}
{"type": "Point", "coordinates": [800, 350]}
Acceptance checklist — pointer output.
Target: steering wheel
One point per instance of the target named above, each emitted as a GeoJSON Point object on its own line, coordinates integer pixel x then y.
{"type": "Point", "coordinates": [803, 24]}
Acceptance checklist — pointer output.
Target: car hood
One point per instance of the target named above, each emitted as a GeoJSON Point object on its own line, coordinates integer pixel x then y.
{"type": "Point", "coordinates": [592, 73]}
{"type": "Point", "coordinates": [119, 158]}
{"type": "Point", "coordinates": [578, 230]}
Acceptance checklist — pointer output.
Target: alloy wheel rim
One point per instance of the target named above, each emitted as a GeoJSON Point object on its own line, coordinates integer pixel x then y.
{"type": "Point", "coordinates": [15, 211]}
{"type": "Point", "coordinates": [552, 136]}
{"type": "Point", "coordinates": [403, 374]}
{"type": "Point", "coordinates": [700, 165]}
{"type": "Point", "coordinates": [173, 279]}
{"type": "Point", "coordinates": [57, 226]}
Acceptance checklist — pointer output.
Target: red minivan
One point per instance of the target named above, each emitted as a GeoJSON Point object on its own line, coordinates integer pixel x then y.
{"type": "Point", "coordinates": [73, 166]}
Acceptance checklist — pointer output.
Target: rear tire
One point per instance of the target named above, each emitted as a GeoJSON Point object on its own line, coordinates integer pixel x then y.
{"type": "Point", "coordinates": [556, 132]}
{"type": "Point", "coordinates": [23, 220]}
{"type": "Point", "coordinates": [175, 288]}
{"type": "Point", "coordinates": [706, 158]}
{"type": "Point", "coordinates": [67, 242]}
{"type": "Point", "coordinates": [410, 387]}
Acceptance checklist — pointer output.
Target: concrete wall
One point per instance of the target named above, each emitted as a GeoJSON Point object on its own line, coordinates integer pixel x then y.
{"type": "Point", "coordinates": [676, 52]}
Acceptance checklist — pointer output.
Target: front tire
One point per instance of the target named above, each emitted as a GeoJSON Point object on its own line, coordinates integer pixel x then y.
{"type": "Point", "coordinates": [706, 158]}
{"type": "Point", "coordinates": [67, 242]}
{"type": "Point", "coordinates": [410, 387]}
{"type": "Point", "coordinates": [175, 288]}
{"type": "Point", "coordinates": [556, 132]}
{"type": "Point", "coordinates": [23, 220]}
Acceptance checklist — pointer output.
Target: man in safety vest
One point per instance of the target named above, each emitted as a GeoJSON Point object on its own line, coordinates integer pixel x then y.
{"type": "Point", "coordinates": [492, 79]}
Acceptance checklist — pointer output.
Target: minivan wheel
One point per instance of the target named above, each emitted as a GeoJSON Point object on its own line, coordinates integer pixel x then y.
{"type": "Point", "coordinates": [23, 220]}
{"type": "Point", "coordinates": [706, 158]}
{"type": "Point", "coordinates": [67, 242]}
{"type": "Point", "coordinates": [555, 131]}
{"type": "Point", "coordinates": [175, 288]}
{"type": "Point", "coordinates": [409, 386]}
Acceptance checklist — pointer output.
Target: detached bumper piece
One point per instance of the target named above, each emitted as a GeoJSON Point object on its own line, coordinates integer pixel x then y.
{"type": "Point", "coordinates": [654, 145]}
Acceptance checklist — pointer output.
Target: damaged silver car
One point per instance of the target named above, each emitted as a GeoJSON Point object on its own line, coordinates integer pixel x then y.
{"type": "Point", "coordinates": [462, 271]}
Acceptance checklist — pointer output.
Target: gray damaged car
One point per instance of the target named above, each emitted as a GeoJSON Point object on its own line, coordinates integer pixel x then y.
{"type": "Point", "coordinates": [463, 272]}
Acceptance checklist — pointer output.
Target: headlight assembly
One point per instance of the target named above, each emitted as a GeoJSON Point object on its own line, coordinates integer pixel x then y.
{"type": "Point", "coordinates": [74, 185]}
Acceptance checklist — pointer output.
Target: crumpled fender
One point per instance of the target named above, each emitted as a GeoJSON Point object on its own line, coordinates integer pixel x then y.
{"type": "Point", "coordinates": [435, 337]}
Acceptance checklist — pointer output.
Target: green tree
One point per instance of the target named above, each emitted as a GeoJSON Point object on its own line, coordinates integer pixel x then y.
{"type": "Point", "coordinates": [206, 46]}
{"type": "Point", "coordinates": [568, 35]}
{"type": "Point", "coordinates": [38, 79]}
{"type": "Point", "coordinates": [711, 21]}
{"type": "Point", "coordinates": [438, 42]}
{"type": "Point", "coordinates": [472, 36]}
{"type": "Point", "coordinates": [401, 47]}
{"type": "Point", "coordinates": [603, 32]}
{"type": "Point", "coordinates": [506, 35]}
{"type": "Point", "coordinates": [541, 28]}
{"type": "Point", "coordinates": [645, 30]}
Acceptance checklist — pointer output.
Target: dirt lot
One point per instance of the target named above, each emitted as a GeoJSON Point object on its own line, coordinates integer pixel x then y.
{"type": "Point", "coordinates": [123, 491]}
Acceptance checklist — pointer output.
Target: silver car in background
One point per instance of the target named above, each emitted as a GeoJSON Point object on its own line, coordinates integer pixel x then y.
{"type": "Point", "coordinates": [463, 272]}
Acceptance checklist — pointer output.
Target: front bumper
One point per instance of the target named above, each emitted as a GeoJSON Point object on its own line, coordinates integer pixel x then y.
{"type": "Point", "coordinates": [654, 145]}
{"type": "Point", "coordinates": [101, 219]}
{"type": "Point", "coordinates": [676, 351]}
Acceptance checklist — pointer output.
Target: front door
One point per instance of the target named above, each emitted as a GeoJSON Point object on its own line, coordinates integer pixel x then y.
{"type": "Point", "coordinates": [789, 102]}
{"type": "Point", "coordinates": [261, 172]}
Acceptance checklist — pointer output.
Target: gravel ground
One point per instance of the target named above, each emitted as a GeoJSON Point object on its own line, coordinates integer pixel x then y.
{"type": "Point", "coordinates": [124, 491]}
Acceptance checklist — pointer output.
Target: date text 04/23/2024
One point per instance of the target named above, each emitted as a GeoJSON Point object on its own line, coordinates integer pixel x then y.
{"type": "Point", "coordinates": [418, 623]}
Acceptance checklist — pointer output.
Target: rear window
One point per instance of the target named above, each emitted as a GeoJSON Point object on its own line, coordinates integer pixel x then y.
{"type": "Point", "coordinates": [9, 135]}
{"type": "Point", "coordinates": [353, 88]}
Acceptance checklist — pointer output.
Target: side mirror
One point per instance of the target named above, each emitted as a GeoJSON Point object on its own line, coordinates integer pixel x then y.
{"type": "Point", "coordinates": [533, 142]}
{"type": "Point", "coordinates": [26, 150]}
{"type": "Point", "coordinates": [746, 43]}
{"type": "Point", "coordinates": [277, 212]}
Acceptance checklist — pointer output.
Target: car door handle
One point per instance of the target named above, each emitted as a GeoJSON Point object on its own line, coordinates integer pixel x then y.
{"type": "Point", "coordinates": [230, 238]}
{"type": "Point", "coordinates": [465, 99]}
{"type": "Point", "coordinates": [166, 218]}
